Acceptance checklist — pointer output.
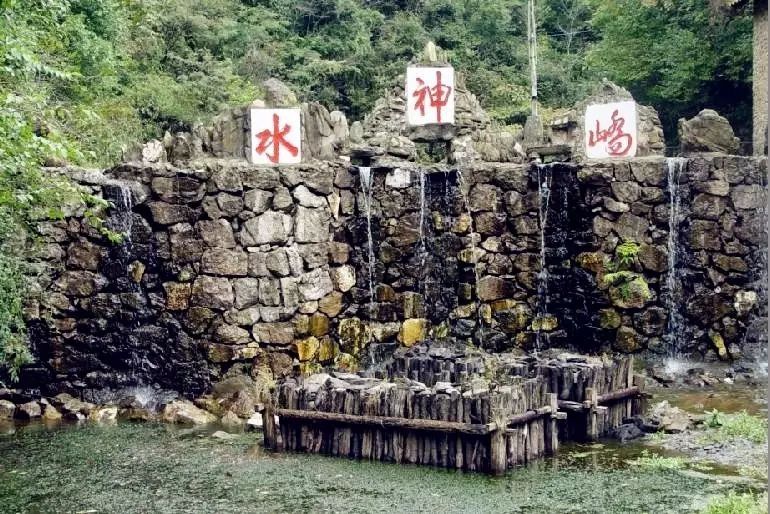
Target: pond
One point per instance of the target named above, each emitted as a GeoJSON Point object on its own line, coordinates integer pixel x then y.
{"type": "Point", "coordinates": [158, 468]}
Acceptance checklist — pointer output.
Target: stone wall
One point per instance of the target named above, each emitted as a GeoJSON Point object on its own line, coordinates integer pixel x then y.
{"type": "Point", "coordinates": [229, 266]}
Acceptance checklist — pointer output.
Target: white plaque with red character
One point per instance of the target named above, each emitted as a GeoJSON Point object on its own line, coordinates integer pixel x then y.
{"type": "Point", "coordinates": [276, 136]}
{"type": "Point", "coordinates": [430, 96]}
{"type": "Point", "coordinates": [610, 130]}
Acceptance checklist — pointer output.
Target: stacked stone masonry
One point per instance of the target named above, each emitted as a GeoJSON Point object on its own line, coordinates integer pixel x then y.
{"type": "Point", "coordinates": [227, 263]}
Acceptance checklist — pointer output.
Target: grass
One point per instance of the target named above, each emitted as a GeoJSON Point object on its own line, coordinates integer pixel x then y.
{"type": "Point", "coordinates": [658, 462]}
{"type": "Point", "coordinates": [737, 503]}
{"type": "Point", "coordinates": [724, 427]}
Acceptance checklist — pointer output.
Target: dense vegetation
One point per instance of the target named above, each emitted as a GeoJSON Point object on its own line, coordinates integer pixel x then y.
{"type": "Point", "coordinates": [82, 79]}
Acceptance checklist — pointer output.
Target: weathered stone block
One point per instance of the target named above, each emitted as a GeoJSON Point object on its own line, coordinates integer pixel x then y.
{"type": "Point", "coordinates": [277, 262]}
{"type": "Point", "coordinates": [80, 283]}
{"type": "Point", "coordinates": [282, 200]}
{"type": "Point", "coordinates": [314, 255]}
{"type": "Point", "coordinates": [331, 304]}
{"type": "Point", "coordinates": [315, 284]}
{"type": "Point", "coordinates": [627, 192]}
{"type": "Point", "coordinates": [708, 206]}
{"type": "Point", "coordinates": [749, 197]}
{"type": "Point", "coordinates": [168, 214]}
{"type": "Point", "coordinates": [229, 205]}
{"type": "Point", "coordinates": [704, 235]}
{"type": "Point", "coordinates": [343, 277]}
{"type": "Point", "coordinates": [269, 291]}
{"type": "Point", "coordinates": [306, 348]}
{"type": "Point", "coordinates": [231, 334]}
{"type": "Point", "coordinates": [227, 179]}
{"type": "Point", "coordinates": [312, 225]}
{"type": "Point", "coordinates": [221, 261]}
{"type": "Point", "coordinates": [280, 334]}
{"type": "Point", "coordinates": [626, 340]}
{"type": "Point", "coordinates": [246, 292]}
{"type": "Point", "coordinates": [413, 331]}
{"type": "Point", "coordinates": [257, 200]}
{"type": "Point", "coordinates": [84, 255]}
{"type": "Point", "coordinates": [352, 335]}
{"type": "Point", "coordinates": [269, 227]}
{"type": "Point", "coordinates": [216, 233]}
{"type": "Point", "coordinates": [178, 189]}
{"type": "Point", "coordinates": [177, 295]}
{"type": "Point", "coordinates": [305, 198]}
{"type": "Point", "coordinates": [212, 292]}
{"type": "Point", "coordinates": [631, 227]}
{"type": "Point", "coordinates": [493, 288]}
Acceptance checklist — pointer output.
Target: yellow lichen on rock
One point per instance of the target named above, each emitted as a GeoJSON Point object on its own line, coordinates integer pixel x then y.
{"type": "Point", "coordinates": [413, 331]}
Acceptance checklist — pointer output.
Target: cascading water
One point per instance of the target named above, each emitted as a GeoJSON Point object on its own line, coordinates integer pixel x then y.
{"type": "Point", "coordinates": [673, 298]}
{"type": "Point", "coordinates": [423, 250]}
{"type": "Point", "coordinates": [473, 237]}
{"type": "Point", "coordinates": [365, 174]}
{"type": "Point", "coordinates": [544, 184]}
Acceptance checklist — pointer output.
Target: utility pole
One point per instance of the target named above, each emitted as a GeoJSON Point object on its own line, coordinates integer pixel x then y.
{"type": "Point", "coordinates": [532, 42]}
{"type": "Point", "coordinates": [533, 128]}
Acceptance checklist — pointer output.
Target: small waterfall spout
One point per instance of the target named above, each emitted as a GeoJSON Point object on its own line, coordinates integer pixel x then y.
{"type": "Point", "coordinates": [365, 174]}
{"type": "Point", "coordinates": [675, 324]}
{"type": "Point", "coordinates": [544, 185]}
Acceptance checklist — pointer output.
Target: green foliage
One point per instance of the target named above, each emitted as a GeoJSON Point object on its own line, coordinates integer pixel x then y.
{"type": "Point", "coordinates": [676, 55]}
{"type": "Point", "coordinates": [658, 462]}
{"type": "Point", "coordinates": [626, 254]}
{"type": "Point", "coordinates": [737, 503]}
{"type": "Point", "coordinates": [723, 427]}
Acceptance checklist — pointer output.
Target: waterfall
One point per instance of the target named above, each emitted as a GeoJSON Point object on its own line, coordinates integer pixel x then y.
{"type": "Point", "coordinates": [473, 238]}
{"type": "Point", "coordinates": [544, 184]}
{"type": "Point", "coordinates": [423, 251]}
{"type": "Point", "coordinates": [675, 324]}
{"type": "Point", "coordinates": [365, 174]}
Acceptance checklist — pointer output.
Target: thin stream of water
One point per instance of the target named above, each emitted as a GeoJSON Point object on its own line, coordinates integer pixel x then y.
{"type": "Point", "coordinates": [365, 173]}
{"type": "Point", "coordinates": [675, 166]}
{"type": "Point", "coordinates": [544, 183]}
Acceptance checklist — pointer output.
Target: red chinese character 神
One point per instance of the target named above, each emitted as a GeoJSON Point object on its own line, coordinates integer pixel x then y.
{"type": "Point", "coordinates": [618, 142]}
{"type": "Point", "coordinates": [438, 95]}
{"type": "Point", "coordinates": [275, 139]}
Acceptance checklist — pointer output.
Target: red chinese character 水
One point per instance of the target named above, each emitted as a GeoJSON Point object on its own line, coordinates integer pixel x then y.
{"type": "Point", "coordinates": [618, 142]}
{"type": "Point", "coordinates": [275, 138]}
{"type": "Point", "coordinates": [438, 96]}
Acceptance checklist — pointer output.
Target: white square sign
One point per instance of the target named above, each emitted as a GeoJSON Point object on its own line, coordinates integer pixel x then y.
{"type": "Point", "coordinates": [610, 130]}
{"type": "Point", "coordinates": [430, 96]}
{"type": "Point", "coordinates": [276, 136]}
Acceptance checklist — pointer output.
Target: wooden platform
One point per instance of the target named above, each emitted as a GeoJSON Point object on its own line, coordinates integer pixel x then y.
{"type": "Point", "coordinates": [477, 425]}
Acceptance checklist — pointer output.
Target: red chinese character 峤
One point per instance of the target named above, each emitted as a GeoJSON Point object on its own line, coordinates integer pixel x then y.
{"type": "Point", "coordinates": [276, 138]}
{"type": "Point", "coordinates": [438, 96]}
{"type": "Point", "coordinates": [618, 142]}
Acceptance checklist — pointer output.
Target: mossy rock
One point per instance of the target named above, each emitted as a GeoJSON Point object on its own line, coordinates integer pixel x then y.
{"type": "Point", "coordinates": [514, 319]}
{"type": "Point", "coordinates": [307, 348]}
{"type": "Point", "coordinates": [346, 362]}
{"type": "Point", "coordinates": [327, 350]}
{"type": "Point", "coordinates": [308, 368]}
{"type": "Point", "coordinates": [626, 340]}
{"type": "Point", "coordinates": [592, 261]}
{"type": "Point", "coordinates": [719, 344]}
{"type": "Point", "coordinates": [353, 336]}
{"type": "Point", "coordinates": [628, 290]}
{"type": "Point", "coordinates": [547, 323]}
{"type": "Point", "coordinates": [413, 331]}
{"type": "Point", "coordinates": [609, 319]}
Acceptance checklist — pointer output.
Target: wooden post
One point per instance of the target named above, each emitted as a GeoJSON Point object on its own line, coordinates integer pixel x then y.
{"type": "Point", "coordinates": [268, 427]}
{"type": "Point", "coordinates": [551, 429]}
{"type": "Point", "coordinates": [592, 432]}
{"type": "Point", "coordinates": [498, 455]}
